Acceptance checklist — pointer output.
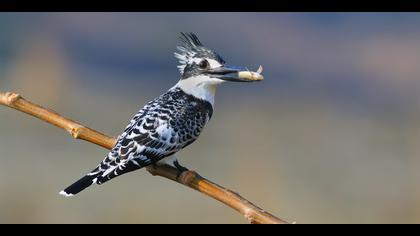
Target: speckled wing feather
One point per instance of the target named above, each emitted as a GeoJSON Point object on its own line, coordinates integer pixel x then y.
{"type": "Point", "coordinates": [163, 127]}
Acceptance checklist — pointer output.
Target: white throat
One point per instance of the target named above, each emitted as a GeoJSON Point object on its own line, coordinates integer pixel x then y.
{"type": "Point", "coordinates": [202, 87]}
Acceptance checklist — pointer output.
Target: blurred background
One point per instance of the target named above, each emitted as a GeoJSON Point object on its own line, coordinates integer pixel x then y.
{"type": "Point", "coordinates": [332, 135]}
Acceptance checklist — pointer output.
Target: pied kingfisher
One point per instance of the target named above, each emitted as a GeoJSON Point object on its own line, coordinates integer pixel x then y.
{"type": "Point", "coordinates": [171, 121]}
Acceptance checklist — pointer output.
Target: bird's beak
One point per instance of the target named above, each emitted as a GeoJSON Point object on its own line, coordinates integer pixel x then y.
{"type": "Point", "coordinates": [236, 74]}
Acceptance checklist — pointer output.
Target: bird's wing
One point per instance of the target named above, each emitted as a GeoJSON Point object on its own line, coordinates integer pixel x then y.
{"type": "Point", "coordinates": [163, 127]}
{"type": "Point", "coordinates": [148, 140]}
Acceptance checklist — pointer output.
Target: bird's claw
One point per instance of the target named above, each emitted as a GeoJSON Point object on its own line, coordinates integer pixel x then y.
{"type": "Point", "coordinates": [180, 169]}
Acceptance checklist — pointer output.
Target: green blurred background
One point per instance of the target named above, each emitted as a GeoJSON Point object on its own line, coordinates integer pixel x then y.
{"type": "Point", "coordinates": [332, 135]}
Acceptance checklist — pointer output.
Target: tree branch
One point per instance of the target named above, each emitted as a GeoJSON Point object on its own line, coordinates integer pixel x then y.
{"type": "Point", "coordinates": [191, 179]}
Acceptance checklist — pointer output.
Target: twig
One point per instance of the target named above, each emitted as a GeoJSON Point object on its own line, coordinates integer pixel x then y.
{"type": "Point", "coordinates": [191, 179]}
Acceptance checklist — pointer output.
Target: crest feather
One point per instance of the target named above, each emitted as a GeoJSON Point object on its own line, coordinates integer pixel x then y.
{"type": "Point", "coordinates": [189, 47]}
{"type": "Point", "coordinates": [190, 40]}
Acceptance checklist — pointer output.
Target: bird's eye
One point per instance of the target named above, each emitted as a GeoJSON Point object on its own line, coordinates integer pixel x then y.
{"type": "Point", "coordinates": [203, 64]}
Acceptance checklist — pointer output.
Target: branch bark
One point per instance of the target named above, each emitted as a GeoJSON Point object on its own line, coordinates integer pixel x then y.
{"type": "Point", "coordinates": [191, 179]}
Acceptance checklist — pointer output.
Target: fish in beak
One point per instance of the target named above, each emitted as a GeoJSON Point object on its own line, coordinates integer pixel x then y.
{"type": "Point", "coordinates": [236, 74]}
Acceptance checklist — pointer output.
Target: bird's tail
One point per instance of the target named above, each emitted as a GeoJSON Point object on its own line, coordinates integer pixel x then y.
{"type": "Point", "coordinates": [101, 175]}
{"type": "Point", "coordinates": [81, 184]}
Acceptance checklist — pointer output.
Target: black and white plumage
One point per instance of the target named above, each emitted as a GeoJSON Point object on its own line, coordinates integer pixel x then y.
{"type": "Point", "coordinates": [170, 122]}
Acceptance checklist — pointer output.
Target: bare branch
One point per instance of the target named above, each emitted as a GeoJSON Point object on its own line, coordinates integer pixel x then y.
{"type": "Point", "coordinates": [191, 179]}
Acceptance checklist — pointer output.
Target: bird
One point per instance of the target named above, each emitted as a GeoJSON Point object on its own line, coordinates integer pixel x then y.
{"type": "Point", "coordinates": [173, 120]}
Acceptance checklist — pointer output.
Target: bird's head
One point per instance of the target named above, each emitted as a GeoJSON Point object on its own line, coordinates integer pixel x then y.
{"type": "Point", "coordinates": [201, 67]}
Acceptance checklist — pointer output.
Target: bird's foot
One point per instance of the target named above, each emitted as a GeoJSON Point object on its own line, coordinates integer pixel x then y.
{"type": "Point", "coordinates": [180, 169]}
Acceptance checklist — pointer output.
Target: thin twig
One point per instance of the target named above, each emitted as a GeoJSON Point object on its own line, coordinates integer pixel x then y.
{"type": "Point", "coordinates": [191, 179]}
